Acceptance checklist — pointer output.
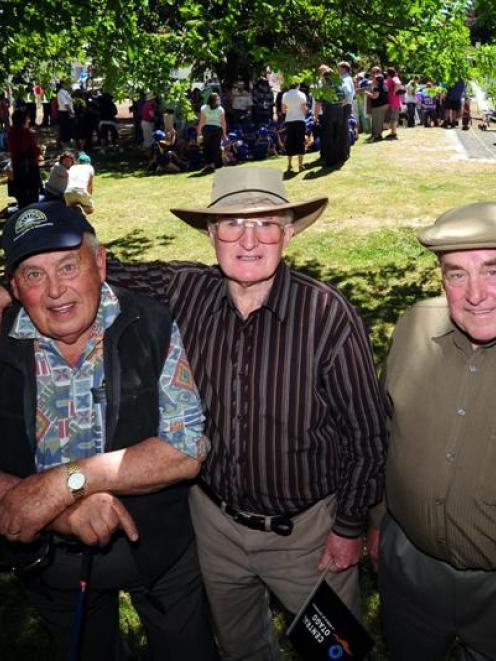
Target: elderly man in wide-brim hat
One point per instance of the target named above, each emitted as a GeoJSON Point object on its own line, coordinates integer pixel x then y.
{"type": "Point", "coordinates": [284, 369]}
{"type": "Point", "coordinates": [437, 570]}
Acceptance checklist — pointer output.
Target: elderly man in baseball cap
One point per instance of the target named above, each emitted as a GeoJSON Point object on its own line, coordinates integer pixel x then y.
{"type": "Point", "coordinates": [101, 425]}
{"type": "Point", "coordinates": [292, 407]}
{"type": "Point", "coordinates": [437, 571]}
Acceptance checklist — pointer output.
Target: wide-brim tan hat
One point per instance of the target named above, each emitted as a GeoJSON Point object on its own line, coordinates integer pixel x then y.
{"type": "Point", "coordinates": [471, 227]}
{"type": "Point", "coordinates": [249, 191]}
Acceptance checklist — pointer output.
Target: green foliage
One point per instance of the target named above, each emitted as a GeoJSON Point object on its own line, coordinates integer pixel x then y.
{"type": "Point", "coordinates": [484, 21]}
{"type": "Point", "coordinates": [483, 68]}
{"type": "Point", "coordinates": [329, 89]}
{"type": "Point", "coordinates": [138, 43]}
{"type": "Point", "coordinates": [421, 35]}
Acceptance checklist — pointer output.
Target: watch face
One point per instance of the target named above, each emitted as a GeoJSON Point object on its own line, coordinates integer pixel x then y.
{"type": "Point", "coordinates": [76, 481]}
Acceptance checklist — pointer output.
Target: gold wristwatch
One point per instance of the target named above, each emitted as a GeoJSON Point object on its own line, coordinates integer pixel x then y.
{"type": "Point", "coordinates": [76, 480]}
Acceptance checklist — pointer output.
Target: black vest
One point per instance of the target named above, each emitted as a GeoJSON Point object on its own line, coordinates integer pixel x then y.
{"type": "Point", "coordinates": [135, 348]}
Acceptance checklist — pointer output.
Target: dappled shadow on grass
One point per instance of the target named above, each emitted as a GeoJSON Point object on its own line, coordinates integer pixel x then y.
{"type": "Point", "coordinates": [131, 163]}
{"type": "Point", "coordinates": [133, 246]}
{"type": "Point", "coordinates": [380, 294]}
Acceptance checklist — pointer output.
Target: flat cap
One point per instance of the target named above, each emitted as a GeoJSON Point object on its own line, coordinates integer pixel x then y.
{"type": "Point", "coordinates": [465, 228]}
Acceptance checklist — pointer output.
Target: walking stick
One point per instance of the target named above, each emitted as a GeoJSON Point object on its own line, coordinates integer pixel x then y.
{"type": "Point", "coordinates": [84, 578]}
{"type": "Point", "coordinates": [87, 557]}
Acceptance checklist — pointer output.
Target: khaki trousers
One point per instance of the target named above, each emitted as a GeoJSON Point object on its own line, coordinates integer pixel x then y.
{"type": "Point", "coordinates": [240, 566]}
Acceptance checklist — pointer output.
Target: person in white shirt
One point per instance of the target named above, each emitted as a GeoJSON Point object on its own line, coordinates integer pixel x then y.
{"type": "Point", "coordinates": [348, 89]}
{"type": "Point", "coordinates": [80, 184]}
{"type": "Point", "coordinates": [294, 107]}
{"type": "Point", "coordinates": [411, 100]}
{"type": "Point", "coordinates": [65, 115]}
{"type": "Point", "coordinates": [242, 103]}
{"type": "Point", "coordinates": [212, 128]}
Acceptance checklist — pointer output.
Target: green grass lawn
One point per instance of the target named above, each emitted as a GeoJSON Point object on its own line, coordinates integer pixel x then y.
{"type": "Point", "coordinates": [364, 243]}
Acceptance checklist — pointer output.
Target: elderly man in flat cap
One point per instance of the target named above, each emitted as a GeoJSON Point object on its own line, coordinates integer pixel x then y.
{"type": "Point", "coordinates": [437, 570]}
{"type": "Point", "coordinates": [292, 406]}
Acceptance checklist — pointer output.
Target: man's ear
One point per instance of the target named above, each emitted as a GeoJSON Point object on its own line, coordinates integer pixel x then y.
{"type": "Point", "coordinates": [289, 232]}
{"type": "Point", "coordinates": [101, 262]}
{"type": "Point", "coordinates": [4, 293]}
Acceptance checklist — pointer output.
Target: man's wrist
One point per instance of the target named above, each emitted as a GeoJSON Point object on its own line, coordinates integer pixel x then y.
{"type": "Point", "coordinates": [76, 480]}
{"type": "Point", "coordinates": [349, 528]}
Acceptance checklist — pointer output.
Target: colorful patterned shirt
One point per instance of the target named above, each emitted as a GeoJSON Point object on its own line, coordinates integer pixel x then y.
{"type": "Point", "coordinates": [70, 423]}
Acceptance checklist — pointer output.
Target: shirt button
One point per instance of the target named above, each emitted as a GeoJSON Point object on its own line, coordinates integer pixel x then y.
{"type": "Point", "coordinates": [473, 368]}
{"type": "Point", "coordinates": [450, 456]}
{"type": "Point", "coordinates": [461, 412]}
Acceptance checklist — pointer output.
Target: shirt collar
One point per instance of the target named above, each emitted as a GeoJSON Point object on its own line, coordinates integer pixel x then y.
{"type": "Point", "coordinates": [277, 300]}
{"type": "Point", "coordinates": [108, 310]}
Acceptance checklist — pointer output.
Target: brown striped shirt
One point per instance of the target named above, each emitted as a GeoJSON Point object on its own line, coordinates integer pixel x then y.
{"type": "Point", "coordinates": [290, 394]}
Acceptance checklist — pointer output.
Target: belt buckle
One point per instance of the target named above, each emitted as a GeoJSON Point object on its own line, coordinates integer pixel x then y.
{"type": "Point", "coordinates": [249, 520]}
{"type": "Point", "coordinates": [282, 525]}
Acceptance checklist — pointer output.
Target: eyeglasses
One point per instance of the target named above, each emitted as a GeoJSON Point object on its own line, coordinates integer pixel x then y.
{"type": "Point", "coordinates": [232, 229]}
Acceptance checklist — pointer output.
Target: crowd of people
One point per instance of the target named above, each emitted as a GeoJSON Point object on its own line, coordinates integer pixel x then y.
{"type": "Point", "coordinates": [385, 100]}
{"type": "Point", "coordinates": [246, 122]}
{"type": "Point", "coordinates": [234, 123]}
{"type": "Point", "coordinates": [252, 122]}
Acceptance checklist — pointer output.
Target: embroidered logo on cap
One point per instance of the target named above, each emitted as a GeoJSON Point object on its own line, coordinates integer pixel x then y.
{"type": "Point", "coordinates": [31, 219]}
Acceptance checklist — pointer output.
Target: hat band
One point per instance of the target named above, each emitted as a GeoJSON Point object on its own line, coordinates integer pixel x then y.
{"type": "Point", "coordinates": [251, 190]}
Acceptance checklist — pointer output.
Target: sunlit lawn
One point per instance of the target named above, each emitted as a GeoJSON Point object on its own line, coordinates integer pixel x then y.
{"type": "Point", "coordinates": [365, 243]}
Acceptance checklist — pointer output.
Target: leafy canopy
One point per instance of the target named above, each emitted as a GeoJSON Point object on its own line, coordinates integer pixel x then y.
{"type": "Point", "coordinates": [139, 43]}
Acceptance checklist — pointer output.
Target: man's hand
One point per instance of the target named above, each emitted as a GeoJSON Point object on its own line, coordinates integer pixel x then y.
{"type": "Point", "coordinates": [373, 541]}
{"type": "Point", "coordinates": [30, 505]}
{"type": "Point", "coordinates": [7, 481]}
{"type": "Point", "coordinates": [94, 520]}
{"type": "Point", "coordinates": [340, 552]}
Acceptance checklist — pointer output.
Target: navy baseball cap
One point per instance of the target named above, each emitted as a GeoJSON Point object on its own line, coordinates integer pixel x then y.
{"type": "Point", "coordinates": [42, 227]}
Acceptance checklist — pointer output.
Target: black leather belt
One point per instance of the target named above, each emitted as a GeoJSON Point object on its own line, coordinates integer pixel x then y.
{"type": "Point", "coordinates": [280, 524]}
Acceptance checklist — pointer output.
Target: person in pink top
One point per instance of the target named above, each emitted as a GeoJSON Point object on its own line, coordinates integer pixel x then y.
{"type": "Point", "coordinates": [395, 89]}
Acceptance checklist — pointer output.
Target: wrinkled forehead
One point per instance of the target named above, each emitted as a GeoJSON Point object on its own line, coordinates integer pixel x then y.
{"type": "Point", "coordinates": [465, 258]}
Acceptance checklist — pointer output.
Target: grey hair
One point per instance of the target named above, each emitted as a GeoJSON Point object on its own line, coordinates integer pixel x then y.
{"type": "Point", "coordinates": [90, 239]}
{"type": "Point", "coordinates": [288, 218]}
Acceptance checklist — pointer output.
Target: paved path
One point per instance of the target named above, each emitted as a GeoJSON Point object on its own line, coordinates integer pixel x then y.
{"type": "Point", "coordinates": [480, 145]}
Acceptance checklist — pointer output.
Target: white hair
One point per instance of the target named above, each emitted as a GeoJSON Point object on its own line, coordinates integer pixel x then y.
{"type": "Point", "coordinates": [90, 239]}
